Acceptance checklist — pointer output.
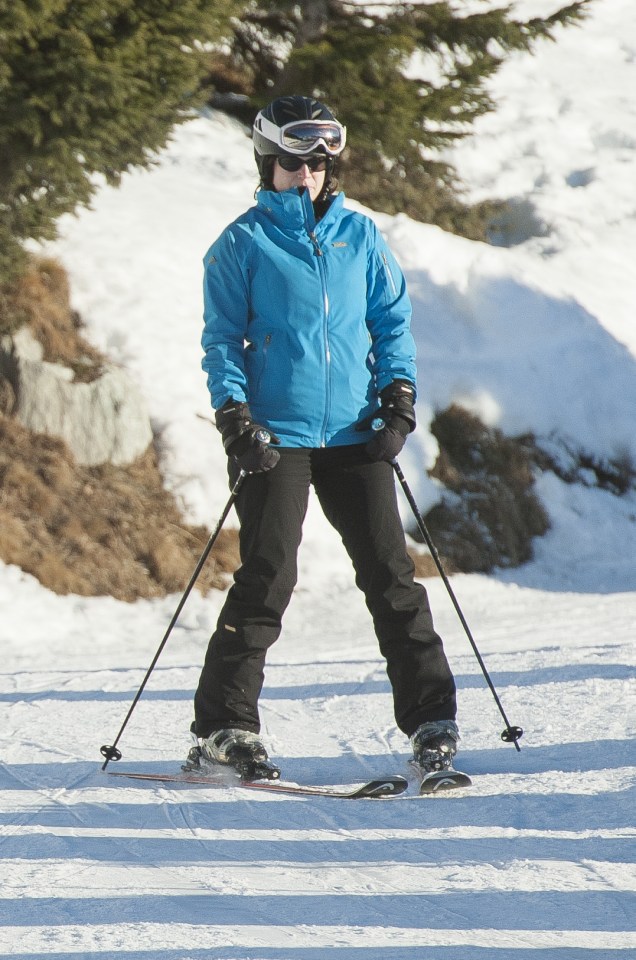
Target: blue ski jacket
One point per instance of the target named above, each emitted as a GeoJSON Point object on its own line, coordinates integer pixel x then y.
{"type": "Point", "coordinates": [306, 321]}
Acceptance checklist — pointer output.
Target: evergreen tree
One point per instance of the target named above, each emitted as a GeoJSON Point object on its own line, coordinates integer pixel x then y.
{"type": "Point", "coordinates": [407, 79]}
{"type": "Point", "coordinates": [89, 87]}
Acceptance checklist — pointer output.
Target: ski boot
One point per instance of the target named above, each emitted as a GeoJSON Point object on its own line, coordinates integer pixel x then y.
{"type": "Point", "coordinates": [434, 748]}
{"type": "Point", "coordinates": [435, 745]}
{"type": "Point", "coordinates": [241, 750]}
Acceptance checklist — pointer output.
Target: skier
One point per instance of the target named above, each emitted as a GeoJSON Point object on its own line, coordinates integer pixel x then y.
{"type": "Point", "coordinates": [307, 349]}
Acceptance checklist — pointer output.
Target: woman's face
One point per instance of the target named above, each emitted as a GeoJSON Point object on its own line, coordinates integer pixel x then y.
{"type": "Point", "coordinates": [312, 180]}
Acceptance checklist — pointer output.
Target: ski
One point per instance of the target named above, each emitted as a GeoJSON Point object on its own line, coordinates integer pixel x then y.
{"type": "Point", "coordinates": [440, 781]}
{"type": "Point", "coordinates": [372, 789]}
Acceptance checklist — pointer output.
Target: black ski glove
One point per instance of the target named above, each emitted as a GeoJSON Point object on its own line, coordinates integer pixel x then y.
{"type": "Point", "coordinates": [247, 442]}
{"type": "Point", "coordinates": [393, 422]}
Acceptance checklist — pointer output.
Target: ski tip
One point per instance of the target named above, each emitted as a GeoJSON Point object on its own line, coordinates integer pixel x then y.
{"type": "Point", "coordinates": [441, 781]}
{"type": "Point", "coordinates": [377, 789]}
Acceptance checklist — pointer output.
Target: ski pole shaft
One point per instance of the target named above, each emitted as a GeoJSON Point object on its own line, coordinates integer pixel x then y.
{"type": "Point", "coordinates": [111, 752]}
{"type": "Point", "coordinates": [510, 734]}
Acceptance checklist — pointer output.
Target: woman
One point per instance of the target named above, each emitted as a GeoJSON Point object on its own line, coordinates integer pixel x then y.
{"type": "Point", "coordinates": [308, 348]}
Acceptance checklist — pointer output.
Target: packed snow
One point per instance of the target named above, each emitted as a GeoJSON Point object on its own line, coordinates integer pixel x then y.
{"type": "Point", "coordinates": [536, 861]}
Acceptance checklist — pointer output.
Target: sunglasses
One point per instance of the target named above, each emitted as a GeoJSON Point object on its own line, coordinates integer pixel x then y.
{"type": "Point", "coordinates": [292, 164]}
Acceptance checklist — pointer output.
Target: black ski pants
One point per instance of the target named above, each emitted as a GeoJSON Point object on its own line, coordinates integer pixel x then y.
{"type": "Point", "coordinates": [358, 497]}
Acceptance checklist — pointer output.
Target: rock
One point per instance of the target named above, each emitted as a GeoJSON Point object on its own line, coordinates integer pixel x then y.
{"type": "Point", "coordinates": [104, 421]}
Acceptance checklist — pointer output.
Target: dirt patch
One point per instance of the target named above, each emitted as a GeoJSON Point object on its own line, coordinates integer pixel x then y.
{"type": "Point", "coordinates": [112, 531]}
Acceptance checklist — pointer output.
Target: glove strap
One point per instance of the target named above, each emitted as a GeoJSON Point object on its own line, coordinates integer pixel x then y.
{"type": "Point", "coordinates": [233, 420]}
{"type": "Point", "coordinates": [398, 400]}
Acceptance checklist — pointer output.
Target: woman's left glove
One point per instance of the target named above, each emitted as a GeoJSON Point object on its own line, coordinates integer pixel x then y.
{"type": "Point", "coordinates": [393, 422]}
{"type": "Point", "coordinates": [247, 442]}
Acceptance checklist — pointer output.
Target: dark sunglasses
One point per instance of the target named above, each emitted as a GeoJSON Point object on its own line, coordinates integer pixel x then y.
{"type": "Point", "coordinates": [292, 164]}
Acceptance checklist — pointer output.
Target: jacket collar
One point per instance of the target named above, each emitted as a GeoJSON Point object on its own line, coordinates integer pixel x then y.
{"type": "Point", "coordinates": [294, 210]}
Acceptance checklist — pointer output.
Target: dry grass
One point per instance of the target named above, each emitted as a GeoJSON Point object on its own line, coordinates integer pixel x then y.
{"type": "Point", "coordinates": [425, 566]}
{"type": "Point", "coordinates": [106, 530]}
{"type": "Point", "coordinates": [41, 300]}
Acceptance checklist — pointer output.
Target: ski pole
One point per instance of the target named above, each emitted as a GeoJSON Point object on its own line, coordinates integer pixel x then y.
{"type": "Point", "coordinates": [111, 751]}
{"type": "Point", "coordinates": [510, 734]}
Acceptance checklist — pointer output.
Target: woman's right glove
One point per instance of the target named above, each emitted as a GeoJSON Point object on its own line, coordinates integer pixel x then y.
{"type": "Point", "coordinates": [248, 443]}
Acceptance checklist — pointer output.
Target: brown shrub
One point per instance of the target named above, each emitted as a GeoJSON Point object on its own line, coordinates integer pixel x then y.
{"type": "Point", "coordinates": [492, 513]}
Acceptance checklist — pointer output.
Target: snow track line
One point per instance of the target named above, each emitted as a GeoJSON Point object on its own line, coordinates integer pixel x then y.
{"type": "Point", "coordinates": [108, 939]}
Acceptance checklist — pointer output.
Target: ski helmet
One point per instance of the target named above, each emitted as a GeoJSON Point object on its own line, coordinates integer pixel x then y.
{"type": "Point", "coordinates": [299, 126]}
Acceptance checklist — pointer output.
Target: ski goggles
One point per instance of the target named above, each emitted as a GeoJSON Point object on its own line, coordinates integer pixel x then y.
{"type": "Point", "coordinates": [305, 136]}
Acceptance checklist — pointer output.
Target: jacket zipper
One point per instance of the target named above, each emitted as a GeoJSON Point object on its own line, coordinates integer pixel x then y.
{"type": "Point", "coordinates": [264, 352]}
{"type": "Point", "coordinates": [389, 274]}
{"type": "Point", "coordinates": [325, 302]}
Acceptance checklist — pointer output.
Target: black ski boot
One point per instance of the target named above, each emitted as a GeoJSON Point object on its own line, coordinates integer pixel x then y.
{"type": "Point", "coordinates": [240, 749]}
{"type": "Point", "coordinates": [435, 745]}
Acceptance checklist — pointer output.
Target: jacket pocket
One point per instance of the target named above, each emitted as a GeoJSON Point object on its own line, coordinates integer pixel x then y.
{"type": "Point", "coordinates": [258, 365]}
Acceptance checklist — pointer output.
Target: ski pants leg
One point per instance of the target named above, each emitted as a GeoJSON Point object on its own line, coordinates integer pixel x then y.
{"type": "Point", "coordinates": [271, 508]}
{"type": "Point", "coordinates": [359, 499]}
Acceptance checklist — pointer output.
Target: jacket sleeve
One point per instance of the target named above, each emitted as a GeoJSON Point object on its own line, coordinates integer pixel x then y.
{"type": "Point", "coordinates": [388, 316]}
{"type": "Point", "coordinates": [226, 315]}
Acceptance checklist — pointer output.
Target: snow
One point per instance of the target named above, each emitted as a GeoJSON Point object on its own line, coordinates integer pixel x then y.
{"type": "Point", "coordinates": [537, 861]}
